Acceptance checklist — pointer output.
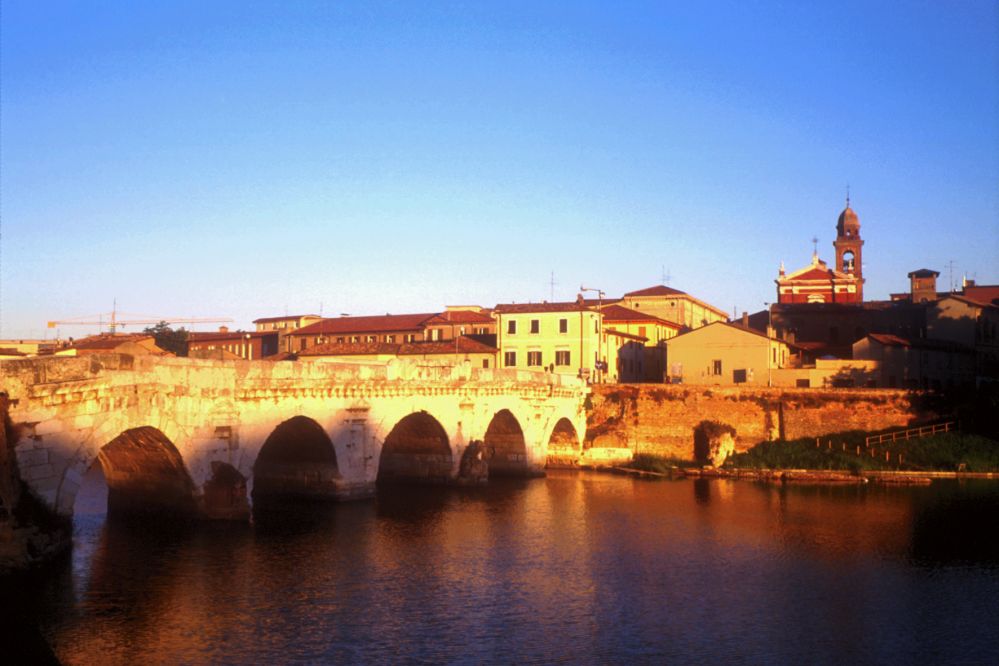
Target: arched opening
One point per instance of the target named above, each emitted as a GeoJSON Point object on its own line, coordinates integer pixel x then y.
{"type": "Point", "coordinates": [848, 261]}
{"type": "Point", "coordinates": [564, 441]}
{"type": "Point", "coordinates": [417, 450]}
{"type": "Point", "coordinates": [145, 474]}
{"type": "Point", "coordinates": [297, 462]}
{"type": "Point", "coordinates": [225, 493]}
{"type": "Point", "coordinates": [506, 449]}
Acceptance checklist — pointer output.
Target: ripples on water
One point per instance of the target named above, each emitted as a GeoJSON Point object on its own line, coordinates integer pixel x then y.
{"type": "Point", "coordinates": [577, 567]}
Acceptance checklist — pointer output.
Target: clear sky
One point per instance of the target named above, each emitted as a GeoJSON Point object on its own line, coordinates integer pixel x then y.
{"type": "Point", "coordinates": [250, 159]}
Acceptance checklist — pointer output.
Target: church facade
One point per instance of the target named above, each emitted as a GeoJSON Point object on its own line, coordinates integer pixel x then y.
{"type": "Point", "coordinates": [817, 282]}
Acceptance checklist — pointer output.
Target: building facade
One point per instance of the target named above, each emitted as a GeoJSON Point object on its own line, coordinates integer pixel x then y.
{"type": "Point", "coordinates": [560, 338]}
{"type": "Point", "coordinates": [724, 354]}
{"type": "Point", "coordinates": [674, 306]}
{"type": "Point", "coordinates": [656, 332]}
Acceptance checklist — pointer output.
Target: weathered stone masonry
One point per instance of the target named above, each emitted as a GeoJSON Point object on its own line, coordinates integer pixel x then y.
{"type": "Point", "coordinates": [213, 417]}
{"type": "Point", "coordinates": [661, 419]}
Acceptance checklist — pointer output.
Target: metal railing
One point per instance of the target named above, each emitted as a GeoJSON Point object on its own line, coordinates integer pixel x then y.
{"type": "Point", "coordinates": [911, 433]}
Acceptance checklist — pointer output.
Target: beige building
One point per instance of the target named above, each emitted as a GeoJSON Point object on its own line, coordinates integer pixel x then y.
{"type": "Point", "coordinates": [137, 344]}
{"type": "Point", "coordinates": [917, 363]}
{"type": "Point", "coordinates": [674, 306]}
{"type": "Point", "coordinates": [829, 373]}
{"type": "Point", "coordinates": [723, 354]}
{"type": "Point", "coordinates": [285, 325]}
{"type": "Point", "coordinates": [656, 332]}
{"type": "Point", "coordinates": [561, 338]}
{"type": "Point", "coordinates": [627, 356]}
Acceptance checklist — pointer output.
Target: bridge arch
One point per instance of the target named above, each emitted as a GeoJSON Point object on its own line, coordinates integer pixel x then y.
{"type": "Point", "coordinates": [297, 461]}
{"type": "Point", "coordinates": [145, 473]}
{"type": "Point", "coordinates": [505, 445]}
{"type": "Point", "coordinates": [563, 436]}
{"type": "Point", "coordinates": [417, 449]}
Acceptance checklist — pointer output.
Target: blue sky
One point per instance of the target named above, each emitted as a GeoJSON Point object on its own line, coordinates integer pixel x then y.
{"type": "Point", "coordinates": [248, 159]}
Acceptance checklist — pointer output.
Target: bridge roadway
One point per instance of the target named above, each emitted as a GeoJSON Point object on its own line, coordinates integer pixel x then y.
{"type": "Point", "coordinates": [212, 437]}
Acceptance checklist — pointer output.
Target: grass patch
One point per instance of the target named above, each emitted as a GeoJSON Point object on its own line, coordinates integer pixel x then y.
{"type": "Point", "coordinates": [947, 452]}
{"type": "Point", "coordinates": [649, 462]}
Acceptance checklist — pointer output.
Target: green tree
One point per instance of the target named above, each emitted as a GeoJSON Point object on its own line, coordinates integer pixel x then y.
{"type": "Point", "coordinates": [169, 339]}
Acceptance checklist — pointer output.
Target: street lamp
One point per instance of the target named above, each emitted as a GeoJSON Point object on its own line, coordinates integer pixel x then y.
{"type": "Point", "coordinates": [600, 327]}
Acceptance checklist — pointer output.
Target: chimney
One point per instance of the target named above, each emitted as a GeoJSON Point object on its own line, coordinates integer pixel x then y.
{"type": "Point", "coordinates": [745, 319]}
{"type": "Point", "coordinates": [223, 329]}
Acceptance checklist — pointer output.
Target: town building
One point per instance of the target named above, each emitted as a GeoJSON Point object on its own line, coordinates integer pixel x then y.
{"type": "Point", "coordinates": [723, 353]}
{"type": "Point", "coordinates": [454, 322]}
{"type": "Point", "coordinates": [248, 345]}
{"type": "Point", "coordinates": [626, 354]}
{"type": "Point", "coordinates": [285, 325]}
{"type": "Point", "coordinates": [137, 344]}
{"type": "Point", "coordinates": [817, 283]}
{"type": "Point", "coordinates": [656, 332]}
{"type": "Point", "coordinates": [439, 353]}
{"type": "Point", "coordinates": [561, 338]}
{"type": "Point", "coordinates": [674, 306]}
{"type": "Point", "coordinates": [917, 363]}
{"type": "Point", "coordinates": [458, 320]}
{"type": "Point", "coordinates": [369, 328]}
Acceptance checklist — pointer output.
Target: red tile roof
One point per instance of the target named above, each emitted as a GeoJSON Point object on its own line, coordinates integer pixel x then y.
{"type": "Point", "coordinates": [985, 294]}
{"type": "Point", "coordinates": [368, 324]}
{"type": "Point", "coordinates": [265, 320]}
{"type": "Point", "coordinates": [658, 290]}
{"type": "Point", "coordinates": [460, 317]}
{"type": "Point", "coordinates": [629, 336]}
{"type": "Point", "coordinates": [522, 308]}
{"type": "Point", "coordinates": [889, 340]}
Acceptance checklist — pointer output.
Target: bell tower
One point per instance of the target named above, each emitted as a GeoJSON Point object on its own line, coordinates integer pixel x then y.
{"type": "Point", "coordinates": [848, 246]}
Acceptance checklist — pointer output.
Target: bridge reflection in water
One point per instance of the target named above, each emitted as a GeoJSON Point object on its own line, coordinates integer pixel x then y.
{"type": "Point", "coordinates": [577, 566]}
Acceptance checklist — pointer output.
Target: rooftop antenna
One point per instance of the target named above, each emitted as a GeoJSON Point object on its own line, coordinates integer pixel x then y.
{"type": "Point", "coordinates": [551, 285]}
{"type": "Point", "coordinates": [950, 274]}
{"type": "Point", "coordinates": [665, 276]}
{"type": "Point", "coordinates": [320, 308]}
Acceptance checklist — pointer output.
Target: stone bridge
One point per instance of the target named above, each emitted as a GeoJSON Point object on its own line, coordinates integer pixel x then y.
{"type": "Point", "coordinates": [209, 437]}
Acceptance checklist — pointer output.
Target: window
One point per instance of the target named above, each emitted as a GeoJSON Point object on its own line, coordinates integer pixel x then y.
{"type": "Point", "coordinates": [534, 358]}
{"type": "Point", "coordinates": [563, 325]}
{"type": "Point", "coordinates": [511, 327]}
{"type": "Point", "coordinates": [510, 359]}
{"type": "Point", "coordinates": [716, 368]}
{"type": "Point", "coordinates": [372, 338]}
{"type": "Point", "coordinates": [641, 331]}
{"type": "Point", "coordinates": [301, 344]}
{"type": "Point", "coordinates": [562, 357]}
{"type": "Point", "coordinates": [485, 363]}
{"type": "Point", "coordinates": [535, 326]}
{"type": "Point", "coordinates": [410, 337]}
{"type": "Point", "coordinates": [435, 334]}
{"type": "Point", "coordinates": [340, 339]}
{"type": "Point", "coordinates": [596, 325]}
{"type": "Point", "coordinates": [390, 338]}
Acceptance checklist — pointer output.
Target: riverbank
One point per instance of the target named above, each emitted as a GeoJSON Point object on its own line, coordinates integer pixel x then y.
{"type": "Point", "coordinates": [840, 459]}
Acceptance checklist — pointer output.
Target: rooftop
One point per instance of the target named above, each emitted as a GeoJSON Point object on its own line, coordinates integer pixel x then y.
{"type": "Point", "coordinates": [368, 324]}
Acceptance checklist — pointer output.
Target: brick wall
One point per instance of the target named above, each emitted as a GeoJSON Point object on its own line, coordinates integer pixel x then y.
{"type": "Point", "coordinates": [661, 419]}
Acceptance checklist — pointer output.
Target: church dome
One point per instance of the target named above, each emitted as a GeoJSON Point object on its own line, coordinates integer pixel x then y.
{"type": "Point", "coordinates": [848, 221]}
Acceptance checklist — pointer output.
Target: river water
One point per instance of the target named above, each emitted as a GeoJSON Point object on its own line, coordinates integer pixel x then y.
{"type": "Point", "coordinates": [577, 567]}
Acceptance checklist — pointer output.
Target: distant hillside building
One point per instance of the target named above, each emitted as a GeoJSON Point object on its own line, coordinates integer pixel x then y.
{"type": "Point", "coordinates": [673, 306]}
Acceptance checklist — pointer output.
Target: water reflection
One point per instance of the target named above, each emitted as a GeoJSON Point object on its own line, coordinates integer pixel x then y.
{"type": "Point", "coordinates": [575, 567]}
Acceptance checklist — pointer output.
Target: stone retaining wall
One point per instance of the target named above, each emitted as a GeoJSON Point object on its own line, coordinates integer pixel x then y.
{"type": "Point", "coordinates": [661, 419]}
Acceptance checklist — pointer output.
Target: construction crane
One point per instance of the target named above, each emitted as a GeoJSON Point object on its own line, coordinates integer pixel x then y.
{"type": "Point", "coordinates": [114, 322]}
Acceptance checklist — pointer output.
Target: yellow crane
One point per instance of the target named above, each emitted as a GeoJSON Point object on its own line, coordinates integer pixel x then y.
{"type": "Point", "coordinates": [113, 322]}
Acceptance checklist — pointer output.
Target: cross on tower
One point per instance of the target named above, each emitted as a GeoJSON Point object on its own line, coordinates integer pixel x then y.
{"type": "Point", "coordinates": [815, 246]}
